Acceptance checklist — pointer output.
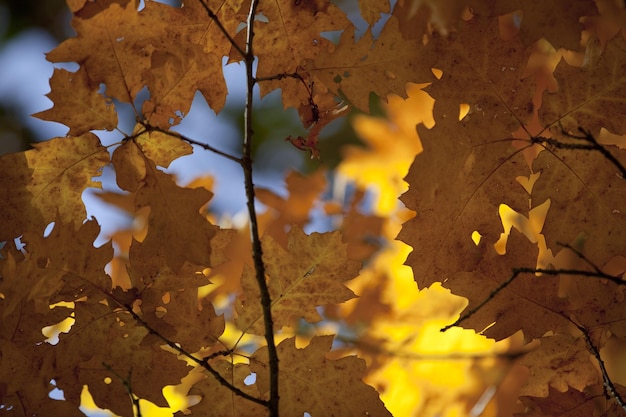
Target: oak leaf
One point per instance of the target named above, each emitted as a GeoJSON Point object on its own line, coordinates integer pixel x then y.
{"type": "Point", "coordinates": [561, 362]}
{"type": "Point", "coordinates": [455, 188]}
{"type": "Point", "coordinates": [46, 183]}
{"type": "Point", "coordinates": [175, 217]}
{"type": "Point", "coordinates": [104, 335]}
{"type": "Point", "coordinates": [537, 296]}
{"type": "Point", "coordinates": [77, 104]}
{"type": "Point", "coordinates": [371, 10]}
{"type": "Point", "coordinates": [220, 401]}
{"type": "Point", "coordinates": [558, 22]}
{"type": "Point", "coordinates": [571, 403]}
{"type": "Point", "coordinates": [306, 274]}
{"type": "Point", "coordinates": [291, 36]}
{"type": "Point", "coordinates": [587, 196]}
{"type": "Point", "coordinates": [173, 51]}
{"type": "Point", "coordinates": [485, 72]}
{"type": "Point", "coordinates": [384, 66]}
{"type": "Point", "coordinates": [592, 96]}
{"type": "Point", "coordinates": [311, 383]}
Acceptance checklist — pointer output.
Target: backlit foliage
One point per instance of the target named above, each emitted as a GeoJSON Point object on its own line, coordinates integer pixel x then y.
{"type": "Point", "coordinates": [477, 255]}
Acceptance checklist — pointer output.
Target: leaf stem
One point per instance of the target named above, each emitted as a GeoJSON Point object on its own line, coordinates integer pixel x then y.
{"type": "Point", "coordinates": [257, 250]}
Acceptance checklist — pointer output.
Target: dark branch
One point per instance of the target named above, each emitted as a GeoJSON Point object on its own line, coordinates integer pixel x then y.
{"type": "Point", "coordinates": [202, 362]}
{"type": "Point", "coordinates": [257, 250]}
{"type": "Point", "coordinates": [182, 137]}
{"type": "Point", "coordinates": [519, 271]}
{"type": "Point", "coordinates": [589, 144]}
{"type": "Point", "coordinates": [609, 387]}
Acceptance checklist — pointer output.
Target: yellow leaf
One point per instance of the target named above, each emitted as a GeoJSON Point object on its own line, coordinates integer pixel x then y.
{"type": "Point", "coordinates": [392, 146]}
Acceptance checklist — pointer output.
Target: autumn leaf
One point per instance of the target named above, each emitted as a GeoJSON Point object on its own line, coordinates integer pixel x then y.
{"type": "Point", "coordinates": [356, 68]}
{"type": "Point", "coordinates": [220, 401]}
{"type": "Point", "coordinates": [569, 176]}
{"type": "Point", "coordinates": [328, 392]}
{"type": "Point", "coordinates": [558, 22]}
{"type": "Point", "coordinates": [77, 104]}
{"type": "Point", "coordinates": [592, 96]}
{"type": "Point", "coordinates": [570, 403]}
{"type": "Point", "coordinates": [562, 362]}
{"type": "Point", "coordinates": [484, 71]}
{"type": "Point", "coordinates": [372, 10]}
{"type": "Point", "coordinates": [172, 51]}
{"type": "Point", "coordinates": [174, 216]}
{"type": "Point", "coordinates": [292, 35]}
{"type": "Point", "coordinates": [45, 184]}
{"type": "Point", "coordinates": [306, 274]}
{"type": "Point", "coordinates": [80, 357]}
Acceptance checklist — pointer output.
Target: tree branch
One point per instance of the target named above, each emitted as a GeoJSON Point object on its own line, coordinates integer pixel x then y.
{"type": "Point", "coordinates": [257, 250]}
{"type": "Point", "coordinates": [202, 362]}
{"type": "Point", "coordinates": [589, 144]}
{"type": "Point", "coordinates": [609, 387]}
{"type": "Point", "coordinates": [519, 271]}
{"type": "Point", "coordinates": [182, 137]}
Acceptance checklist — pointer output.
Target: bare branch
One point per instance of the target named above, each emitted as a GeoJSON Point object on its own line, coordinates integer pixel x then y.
{"type": "Point", "coordinates": [609, 387]}
{"type": "Point", "coordinates": [204, 362]}
{"type": "Point", "coordinates": [205, 146]}
{"type": "Point", "coordinates": [257, 250]}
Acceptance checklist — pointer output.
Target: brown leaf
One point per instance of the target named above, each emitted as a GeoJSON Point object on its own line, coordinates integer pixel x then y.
{"type": "Point", "coordinates": [557, 21]}
{"type": "Point", "coordinates": [587, 196]}
{"type": "Point", "coordinates": [372, 10]}
{"type": "Point", "coordinates": [384, 66]}
{"type": "Point", "coordinates": [311, 383]}
{"type": "Point", "coordinates": [561, 362]}
{"type": "Point", "coordinates": [291, 36]}
{"type": "Point", "coordinates": [175, 217]}
{"type": "Point", "coordinates": [308, 273]}
{"type": "Point", "coordinates": [46, 183]}
{"type": "Point", "coordinates": [592, 96]}
{"type": "Point", "coordinates": [484, 71]}
{"type": "Point", "coordinates": [77, 104]}
{"type": "Point", "coordinates": [220, 401]}
{"type": "Point", "coordinates": [571, 403]}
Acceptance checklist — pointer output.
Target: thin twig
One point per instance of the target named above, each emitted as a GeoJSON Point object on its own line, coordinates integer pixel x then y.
{"type": "Point", "coordinates": [590, 145]}
{"type": "Point", "coordinates": [215, 19]}
{"type": "Point", "coordinates": [519, 271]}
{"type": "Point", "coordinates": [257, 250]}
{"type": "Point", "coordinates": [609, 387]}
{"type": "Point", "coordinates": [127, 386]}
{"type": "Point", "coordinates": [182, 137]}
{"type": "Point", "coordinates": [202, 362]}
{"type": "Point", "coordinates": [281, 76]}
